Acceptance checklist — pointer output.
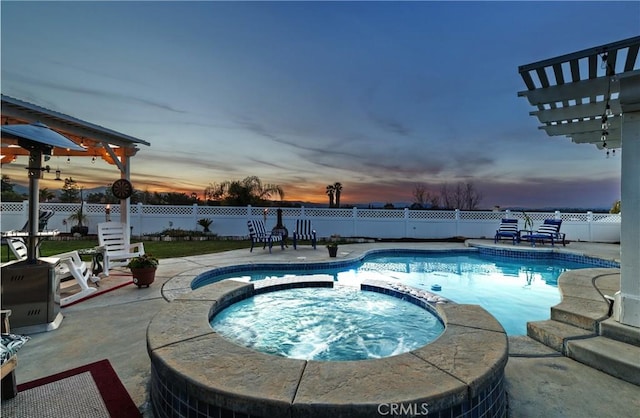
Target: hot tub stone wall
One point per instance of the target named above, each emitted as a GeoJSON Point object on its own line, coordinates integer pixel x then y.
{"type": "Point", "coordinates": [195, 372]}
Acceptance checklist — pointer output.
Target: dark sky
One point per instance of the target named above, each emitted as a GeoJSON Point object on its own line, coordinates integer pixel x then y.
{"type": "Point", "coordinates": [379, 96]}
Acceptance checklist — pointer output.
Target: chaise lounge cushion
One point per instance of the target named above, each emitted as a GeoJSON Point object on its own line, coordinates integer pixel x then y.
{"type": "Point", "coordinates": [10, 345]}
{"type": "Point", "coordinates": [508, 229]}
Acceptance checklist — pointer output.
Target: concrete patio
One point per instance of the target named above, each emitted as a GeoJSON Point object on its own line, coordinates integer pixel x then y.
{"type": "Point", "coordinates": [540, 380]}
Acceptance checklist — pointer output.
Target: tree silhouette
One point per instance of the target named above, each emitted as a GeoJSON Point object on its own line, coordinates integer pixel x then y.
{"type": "Point", "coordinates": [70, 191]}
{"type": "Point", "coordinates": [45, 195]}
{"type": "Point", "coordinates": [249, 191]}
{"type": "Point", "coordinates": [337, 187]}
{"type": "Point", "coordinates": [330, 193]}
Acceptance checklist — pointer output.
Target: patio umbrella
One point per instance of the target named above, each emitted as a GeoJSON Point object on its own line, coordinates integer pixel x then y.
{"type": "Point", "coordinates": [38, 139]}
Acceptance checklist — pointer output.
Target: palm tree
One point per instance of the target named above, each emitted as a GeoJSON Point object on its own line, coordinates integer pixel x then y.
{"type": "Point", "coordinates": [262, 191]}
{"type": "Point", "coordinates": [337, 187]}
{"type": "Point", "coordinates": [249, 191]}
{"type": "Point", "coordinates": [46, 195]}
{"type": "Point", "coordinates": [330, 191]}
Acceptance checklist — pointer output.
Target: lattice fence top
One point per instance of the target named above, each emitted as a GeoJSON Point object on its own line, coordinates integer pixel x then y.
{"type": "Point", "coordinates": [12, 206]}
{"type": "Point", "coordinates": [221, 211]}
{"type": "Point", "coordinates": [380, 214]}
{"type": "Point", "coordinates": [432, 214]}
{"type": "Point", "coordinates": [477, 215]}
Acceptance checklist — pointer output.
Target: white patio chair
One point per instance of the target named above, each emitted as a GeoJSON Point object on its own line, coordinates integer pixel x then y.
{"type": "Point", "coordinates": [67, 265]}
{"type": "Point", "coordinates": [118, 250]}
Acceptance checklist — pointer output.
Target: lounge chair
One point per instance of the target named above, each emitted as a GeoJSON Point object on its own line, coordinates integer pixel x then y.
{"type": "Point", "coordinates": [508, 229]}
{"type": "Point", "coordinates": [43, 220]}
{"type": "Point", "coordinates": [304, 231]}
{"type": "Point", "coordinates": [67, 265]}
{"type": "Point", "coordinates": [548, 231]}
{"type": "Point", "coordinates": [113, 237]}
{"type": "Point", "coordinates": [258, 233]}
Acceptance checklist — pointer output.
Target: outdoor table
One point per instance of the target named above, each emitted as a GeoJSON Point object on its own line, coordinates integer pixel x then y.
{"type": "Point", "coordinates": [24, 234]}
{"type": "Point", "coordinates": [532, 236]}
{"type": "Point", "coordinates": [97, 258]}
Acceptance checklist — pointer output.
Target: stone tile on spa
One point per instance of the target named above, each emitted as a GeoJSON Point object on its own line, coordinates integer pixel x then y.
{"type": "Point", "coordinates": [468, 315]}
{"type": "Point", "coordinates": [329, 386]}
{"type": "Point", "coordinates": [178, 321]}
{"type": "Point", "coordinates": [474, 356]}
{"type": "Point", "coordinates": [225, 289]}
{"type": "Point", "coordinates": [219, 372]}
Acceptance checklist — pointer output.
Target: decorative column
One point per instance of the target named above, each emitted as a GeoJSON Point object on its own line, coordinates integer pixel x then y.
{"type": "Point", "coordinates": [627, 302]}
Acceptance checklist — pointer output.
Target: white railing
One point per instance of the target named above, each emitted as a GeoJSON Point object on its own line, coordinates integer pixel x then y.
{"type": "Point", "coordinates": [375, 223]}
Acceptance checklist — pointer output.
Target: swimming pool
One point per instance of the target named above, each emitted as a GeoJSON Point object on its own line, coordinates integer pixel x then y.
{"type": "Point", "coordinates": [514, 290]}
{"type": "Point", "coordinates": [337, 323]}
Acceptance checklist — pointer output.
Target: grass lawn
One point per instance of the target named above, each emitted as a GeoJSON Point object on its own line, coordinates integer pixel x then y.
{"type": "Point", "coordinates": [160, 249]}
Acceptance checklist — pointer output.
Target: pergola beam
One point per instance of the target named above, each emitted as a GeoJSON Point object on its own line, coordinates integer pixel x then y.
{"type": "Point", "coordinates": [580, 111]}
{"type": "Point", "coordinates": [581, 117]}
{"type": "Point", "coordinates": [114, 147]}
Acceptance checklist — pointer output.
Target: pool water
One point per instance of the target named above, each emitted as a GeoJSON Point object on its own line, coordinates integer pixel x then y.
{"type": "Point", "coordinates": [513, 290]}
{"type": "Point", "coordinates": [340, 323]}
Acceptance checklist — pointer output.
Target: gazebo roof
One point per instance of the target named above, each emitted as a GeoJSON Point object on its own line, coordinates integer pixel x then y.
{"type": "Point", "coordinates": [96, 140]}
{"type": "Point", "coordinates": [578, 95]}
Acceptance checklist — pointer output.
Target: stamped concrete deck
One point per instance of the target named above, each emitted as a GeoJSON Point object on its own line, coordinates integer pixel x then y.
{"type": "Point", "coordinates": [539, 380]}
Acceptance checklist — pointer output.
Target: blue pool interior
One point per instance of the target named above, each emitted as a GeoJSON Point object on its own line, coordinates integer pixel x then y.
{"type": "Point", "coordinates": [328, 324]}
{"type": "Point", "coordinates": [514, 290]}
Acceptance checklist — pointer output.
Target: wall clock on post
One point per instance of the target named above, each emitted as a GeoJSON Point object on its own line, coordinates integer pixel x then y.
{"type": "Point", "coordinates": [122, 189]}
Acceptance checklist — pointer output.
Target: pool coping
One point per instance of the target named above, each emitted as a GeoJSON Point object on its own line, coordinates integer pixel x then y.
{"type": "Point", "coordinates": [195, 367]}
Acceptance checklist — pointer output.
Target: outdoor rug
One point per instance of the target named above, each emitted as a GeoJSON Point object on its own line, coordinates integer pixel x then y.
{"type": "Point", "coordinates": [90, 391]}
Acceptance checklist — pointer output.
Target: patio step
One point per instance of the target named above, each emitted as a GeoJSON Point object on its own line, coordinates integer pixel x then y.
{"type": "Point", "coordinates": [613, 357]}
{"type": "Point", "coordinates": [581, 313]}
{"type": "Point", "coordinates": [554, 333]}
{"type": "Point", "coordinates": [617, 358]}
{"type": "Point", "coordinates": [613, 329]}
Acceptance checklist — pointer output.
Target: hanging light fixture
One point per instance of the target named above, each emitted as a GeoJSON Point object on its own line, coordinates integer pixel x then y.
{"type": "Point", "coordinates": [609, 72]}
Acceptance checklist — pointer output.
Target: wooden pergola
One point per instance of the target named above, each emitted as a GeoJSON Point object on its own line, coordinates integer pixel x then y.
{"type": "Point", "coordinates": [98, 142]}
{"type": "Point", "coordinates": [593, 96]}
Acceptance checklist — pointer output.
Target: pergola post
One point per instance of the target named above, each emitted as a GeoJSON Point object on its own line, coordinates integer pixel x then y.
{"type": "Point", "coordinates": [627, 301]}
{"type": "Point", "coordinates": [125, 212]}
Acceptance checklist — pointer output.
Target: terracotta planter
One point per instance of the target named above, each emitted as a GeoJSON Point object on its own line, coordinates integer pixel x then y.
{"type": "Point", "coordinates": [143, 276]}
{"type": "Point", "coordinates": [333, 251]}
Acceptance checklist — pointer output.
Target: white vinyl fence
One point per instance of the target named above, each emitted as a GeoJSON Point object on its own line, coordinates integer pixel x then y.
{"type": "Point", "coordinates": [373, 223]}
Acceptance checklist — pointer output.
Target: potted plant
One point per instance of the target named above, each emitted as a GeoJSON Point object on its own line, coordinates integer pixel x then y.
{"type": "Point", "coordinates": [80, 219]}
{"type": "Point", "coordinates": [528, 223]}
{"type": "Point", "coordinates": [333, 248]}
{"type": "Point", "coordinates": [205, 223]}
{"type": "Point", "coordinates": [143, 269]}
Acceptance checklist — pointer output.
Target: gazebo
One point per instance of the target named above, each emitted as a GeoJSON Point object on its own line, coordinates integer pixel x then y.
{"type": "Point", "coordinates": [96, 141]}
{"type": "Point", "coordinates": [593, 96]}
